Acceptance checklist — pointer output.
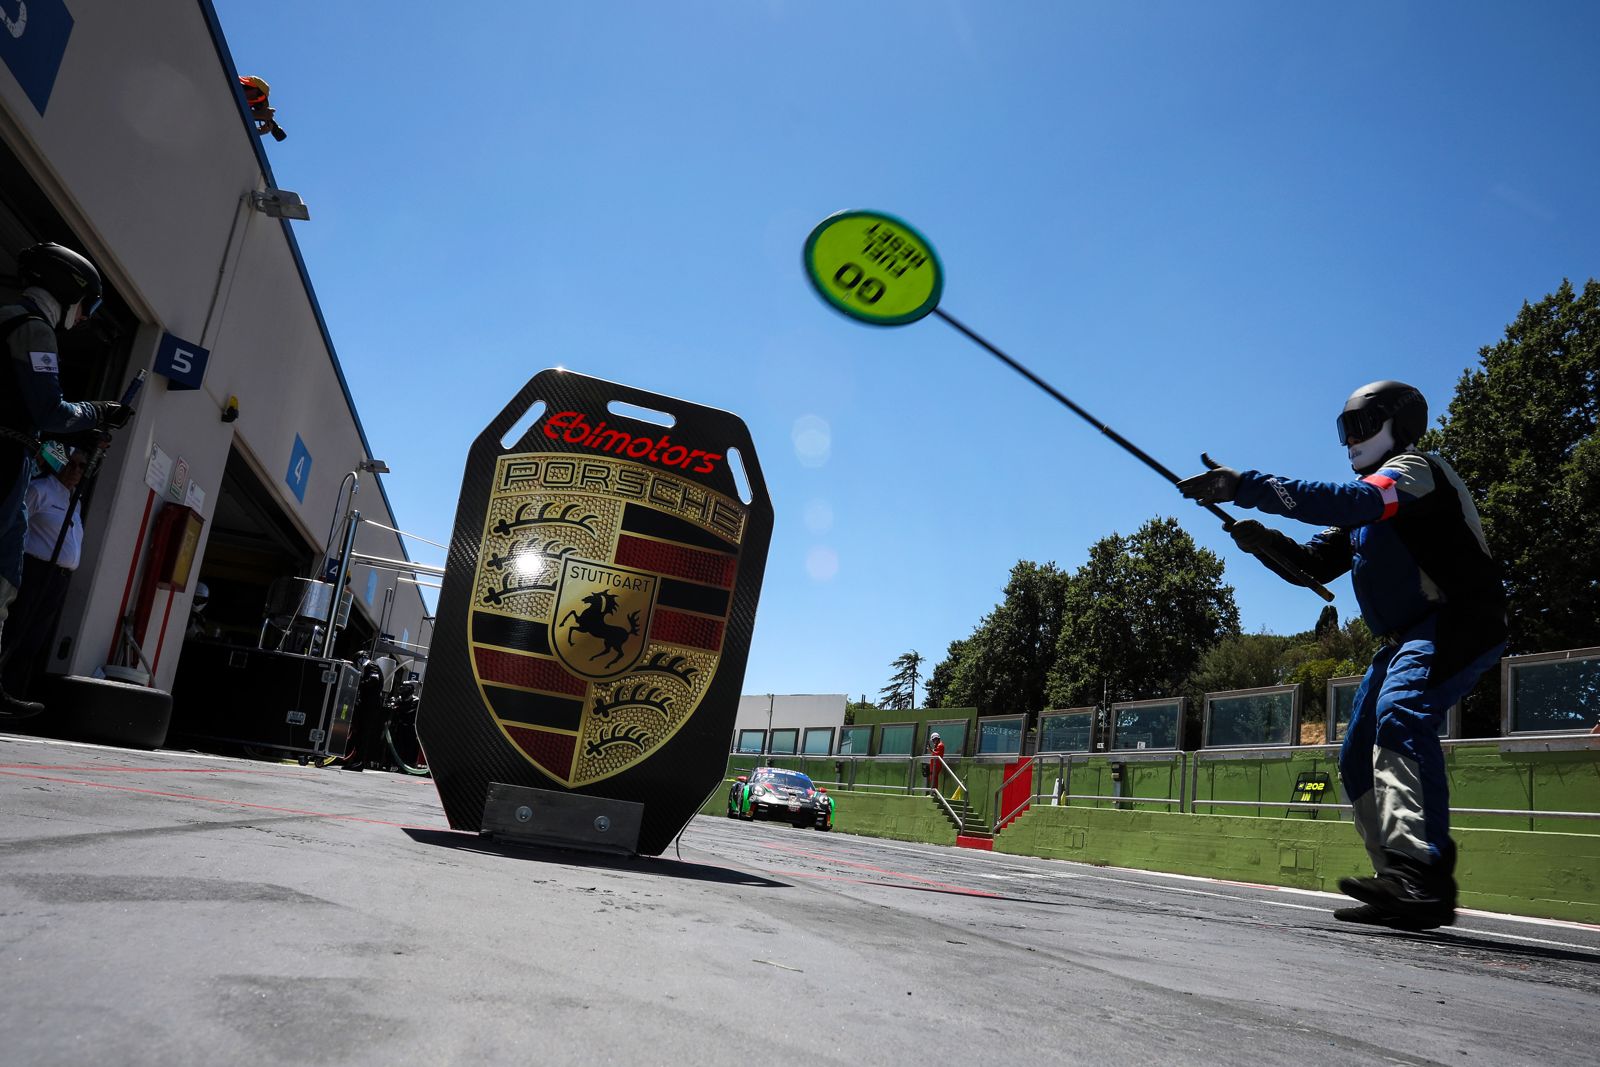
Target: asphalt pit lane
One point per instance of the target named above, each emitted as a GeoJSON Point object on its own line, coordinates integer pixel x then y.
{"type": "Point", "coordinates": [124, 889]}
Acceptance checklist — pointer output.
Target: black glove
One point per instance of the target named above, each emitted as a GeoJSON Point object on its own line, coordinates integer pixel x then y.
{"type": "Point", "coordinates": [110, 414]}
{"type": "Point", "coordinates": [1216, 486]}
{"type": "Point", "coordinates": [1250, 535]}
{"type": "Point", "coordinates": [1275, 549]}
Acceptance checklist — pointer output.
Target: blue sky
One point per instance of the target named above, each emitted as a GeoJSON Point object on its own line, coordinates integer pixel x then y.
{"type": "Point", "coordinates": [1206, 223]}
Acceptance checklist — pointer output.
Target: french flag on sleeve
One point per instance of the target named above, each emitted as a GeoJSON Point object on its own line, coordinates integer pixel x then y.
{"type": "Point", "coordinates": [1384, 482]}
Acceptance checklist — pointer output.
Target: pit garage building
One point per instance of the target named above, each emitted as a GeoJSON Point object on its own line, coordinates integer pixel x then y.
{"type": "Point", "coordinates": [124, 134]}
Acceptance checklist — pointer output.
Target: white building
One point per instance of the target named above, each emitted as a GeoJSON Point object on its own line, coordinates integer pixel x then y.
{"type": "Point", "coordinates": [788, 723]}
{"type": "Point", "coordinates": [124, 134]}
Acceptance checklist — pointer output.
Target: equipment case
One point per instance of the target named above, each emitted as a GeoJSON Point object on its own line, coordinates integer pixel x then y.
{"type": "Point", "coordinates": [299, 705]}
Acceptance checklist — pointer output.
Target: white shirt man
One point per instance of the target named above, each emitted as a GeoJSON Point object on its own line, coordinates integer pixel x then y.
{"type": "Point", "coordinates": [44, 585]}
{"type": "Point", "coordinates": [48, 497]}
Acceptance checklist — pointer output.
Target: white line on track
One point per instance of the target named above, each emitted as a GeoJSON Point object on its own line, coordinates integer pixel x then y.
{"type": "Point", "coordinates": [1013, 867]}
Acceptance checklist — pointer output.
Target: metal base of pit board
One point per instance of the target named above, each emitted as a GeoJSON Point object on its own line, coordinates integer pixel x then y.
{"type": "Point", "coordinates": [562, 820]}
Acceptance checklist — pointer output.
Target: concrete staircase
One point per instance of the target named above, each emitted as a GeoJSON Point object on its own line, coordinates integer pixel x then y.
{"type": "Point", "coordinates": [969, 823]}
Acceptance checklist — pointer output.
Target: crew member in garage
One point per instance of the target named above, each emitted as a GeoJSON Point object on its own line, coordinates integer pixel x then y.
{"type": "Point", "coordinates": [201, 626]}
{"type": "Point", "coordinates": [60, 290]}
{"type": "Point", "coordinates": [372, 715]}
{"type": "Point", "coordinates": [45, 570]}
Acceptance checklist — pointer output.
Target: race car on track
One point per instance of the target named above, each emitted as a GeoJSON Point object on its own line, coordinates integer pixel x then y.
{"type": "Point", "coordinates": [773, 793]}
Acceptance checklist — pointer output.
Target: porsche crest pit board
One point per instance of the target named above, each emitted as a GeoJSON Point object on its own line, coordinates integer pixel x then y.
{"type": "Point", "coordinates": [873, 267]}
{"type": "Point", "coordinates": [597, 605]}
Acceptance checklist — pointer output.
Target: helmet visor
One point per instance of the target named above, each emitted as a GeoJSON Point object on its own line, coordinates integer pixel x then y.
{"type": "Point", "coordinates": [1360, 424]}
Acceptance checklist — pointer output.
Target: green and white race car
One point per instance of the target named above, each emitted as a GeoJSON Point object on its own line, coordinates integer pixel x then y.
{"type": "Point", "coordinates": [772, 793]}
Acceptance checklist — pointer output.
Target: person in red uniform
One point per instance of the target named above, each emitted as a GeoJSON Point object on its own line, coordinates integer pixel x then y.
{"type": "Point", "coordinates": [936, 760]}
{"type": "Point", "coordinates": [258, 98]}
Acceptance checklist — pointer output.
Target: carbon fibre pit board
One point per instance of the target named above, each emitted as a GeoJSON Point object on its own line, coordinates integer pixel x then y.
{"type": "Point", "coordinates": [597, 605]}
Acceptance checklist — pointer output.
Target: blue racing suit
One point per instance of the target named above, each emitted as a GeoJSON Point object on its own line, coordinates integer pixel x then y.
{"type": "Point", "coordinates": [30, 402]}
{"type": "Point", "coordinates": [1410, 537]}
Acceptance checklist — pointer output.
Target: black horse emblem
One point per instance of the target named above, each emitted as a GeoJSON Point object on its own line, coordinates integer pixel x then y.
{"type": "Point", "coordinates": [591, 622]}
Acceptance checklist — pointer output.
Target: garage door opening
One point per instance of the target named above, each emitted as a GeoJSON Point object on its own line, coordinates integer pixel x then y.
{"type": "Point", "coordinates": [248, 677]}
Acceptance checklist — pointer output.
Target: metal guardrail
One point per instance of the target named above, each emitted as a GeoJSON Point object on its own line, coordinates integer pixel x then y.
{"type": "Point", "coordinates": [1003, 818]}
{"type": "Point", "coordinates": [1513, 813]}
{"type": "Point", "coordinates": [1177, 756]}
{"type": "Point", "coordinates": [945, 768]}
{"type": "Point", "coordinates": [949, 809]}
{"type": "Point", "coordinates": [1552, 743]}
{"type": "Point", "coordinates": [1062, 793]}
{"type": "Point", "coordinates": [1188, 765]}
{"type": "Point", "coordinates": [1531, 744]}
{"type": "Point", "coordinates": [1192, 802]}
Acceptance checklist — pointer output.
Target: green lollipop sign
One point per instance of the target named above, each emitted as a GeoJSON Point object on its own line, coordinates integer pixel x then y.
{"type": "Point", "coordinates": [874, 267]}
{"type": "Point", "coordinates": [878, 269]}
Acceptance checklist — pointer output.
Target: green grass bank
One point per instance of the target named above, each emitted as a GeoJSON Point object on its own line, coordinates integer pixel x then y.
{"type": "Point", "coordinates": [1541, 873]}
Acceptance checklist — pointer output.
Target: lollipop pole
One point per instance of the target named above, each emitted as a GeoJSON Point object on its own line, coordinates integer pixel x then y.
{"type": "Point", "coordinates": [1132, 449]}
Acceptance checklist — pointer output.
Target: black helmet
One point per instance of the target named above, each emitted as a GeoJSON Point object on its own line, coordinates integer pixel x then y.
{"type": "Point", "coordinates": [1370, 406]}
{"type": "Point", "coordinates": [61, 272]}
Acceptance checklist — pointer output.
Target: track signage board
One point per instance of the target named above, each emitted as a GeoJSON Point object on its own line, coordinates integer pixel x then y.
{"type": "Point", "coordinates": [877, 269]}
{"type": "Point", "coordinates": [597, 604]}
{"type": "Point", "coordinates": [873, 267]}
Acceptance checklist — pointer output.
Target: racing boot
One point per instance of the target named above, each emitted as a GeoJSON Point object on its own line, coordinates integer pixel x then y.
{"type": "Point", "coordinates": [13, 709]}
{"type": "Point", "coordinates": [1371, 915]}
{"type": "Point", "coordinates": [1407, 896]}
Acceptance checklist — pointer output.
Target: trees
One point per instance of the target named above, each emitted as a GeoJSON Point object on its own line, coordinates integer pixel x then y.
{"type": "Point", "coordinates": [901, 692]}
{"type": "Point", "coordinates": [1309, 659]}
{"type": "Point", "coordinates": [1003, 665]}
{"type": "Point", "coordinates": [1521, 432]}
{"type": "Point", "coordinates": [1138, 616]}
{"type": "Point", "coordinates": [854, 706]}
{"type": "Point", "coordinates": [937, 688]}
{"type": "Point", "coordinates": [1147, 615]}
{"type": "Point", "coordinates": [1134, 619]}
{"type": "Point", "coordinates": [1327, 652]}
{"type": "Point", "coordinates": [1238, 661]}
{"type": "Point", "coordinates": [1249, 661]}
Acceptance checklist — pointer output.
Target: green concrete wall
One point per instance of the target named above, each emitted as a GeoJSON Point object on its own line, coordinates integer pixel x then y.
{"type": "Point", "coordinates": [1564, 781]}
{"type": "Point", "coordinates": [1518, 864]}
{"type": "Point", "coordinates": [1543, 873]}
{"type": "Point", "coordinates": [902, 818]}
{"type": "Point", "coordinates": [1481, 776]}
{"type": "Point", "coordinates": [1308, 855]}
{"type": "Point", "coordinates": [1553, 875]}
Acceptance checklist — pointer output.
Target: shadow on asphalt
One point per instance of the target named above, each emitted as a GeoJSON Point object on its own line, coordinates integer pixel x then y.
{"type": "Point", "coordinates": [1499, 948]}
{"type": "Point", "coordinates": [657, 866]}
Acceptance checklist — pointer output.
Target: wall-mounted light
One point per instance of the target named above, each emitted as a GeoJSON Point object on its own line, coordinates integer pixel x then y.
{"type": "Point", "coordinates": [280, 204]}
{"type": "Point", "coordinates": [373, 466]}
{"type": "Point", "coordinates": [230, 410]}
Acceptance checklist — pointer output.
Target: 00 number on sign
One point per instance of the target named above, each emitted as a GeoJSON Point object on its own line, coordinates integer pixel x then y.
{"type": "Point", "coordinates": [867, 290]}
{"type": "Point", "coordinates": [873, 267]}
